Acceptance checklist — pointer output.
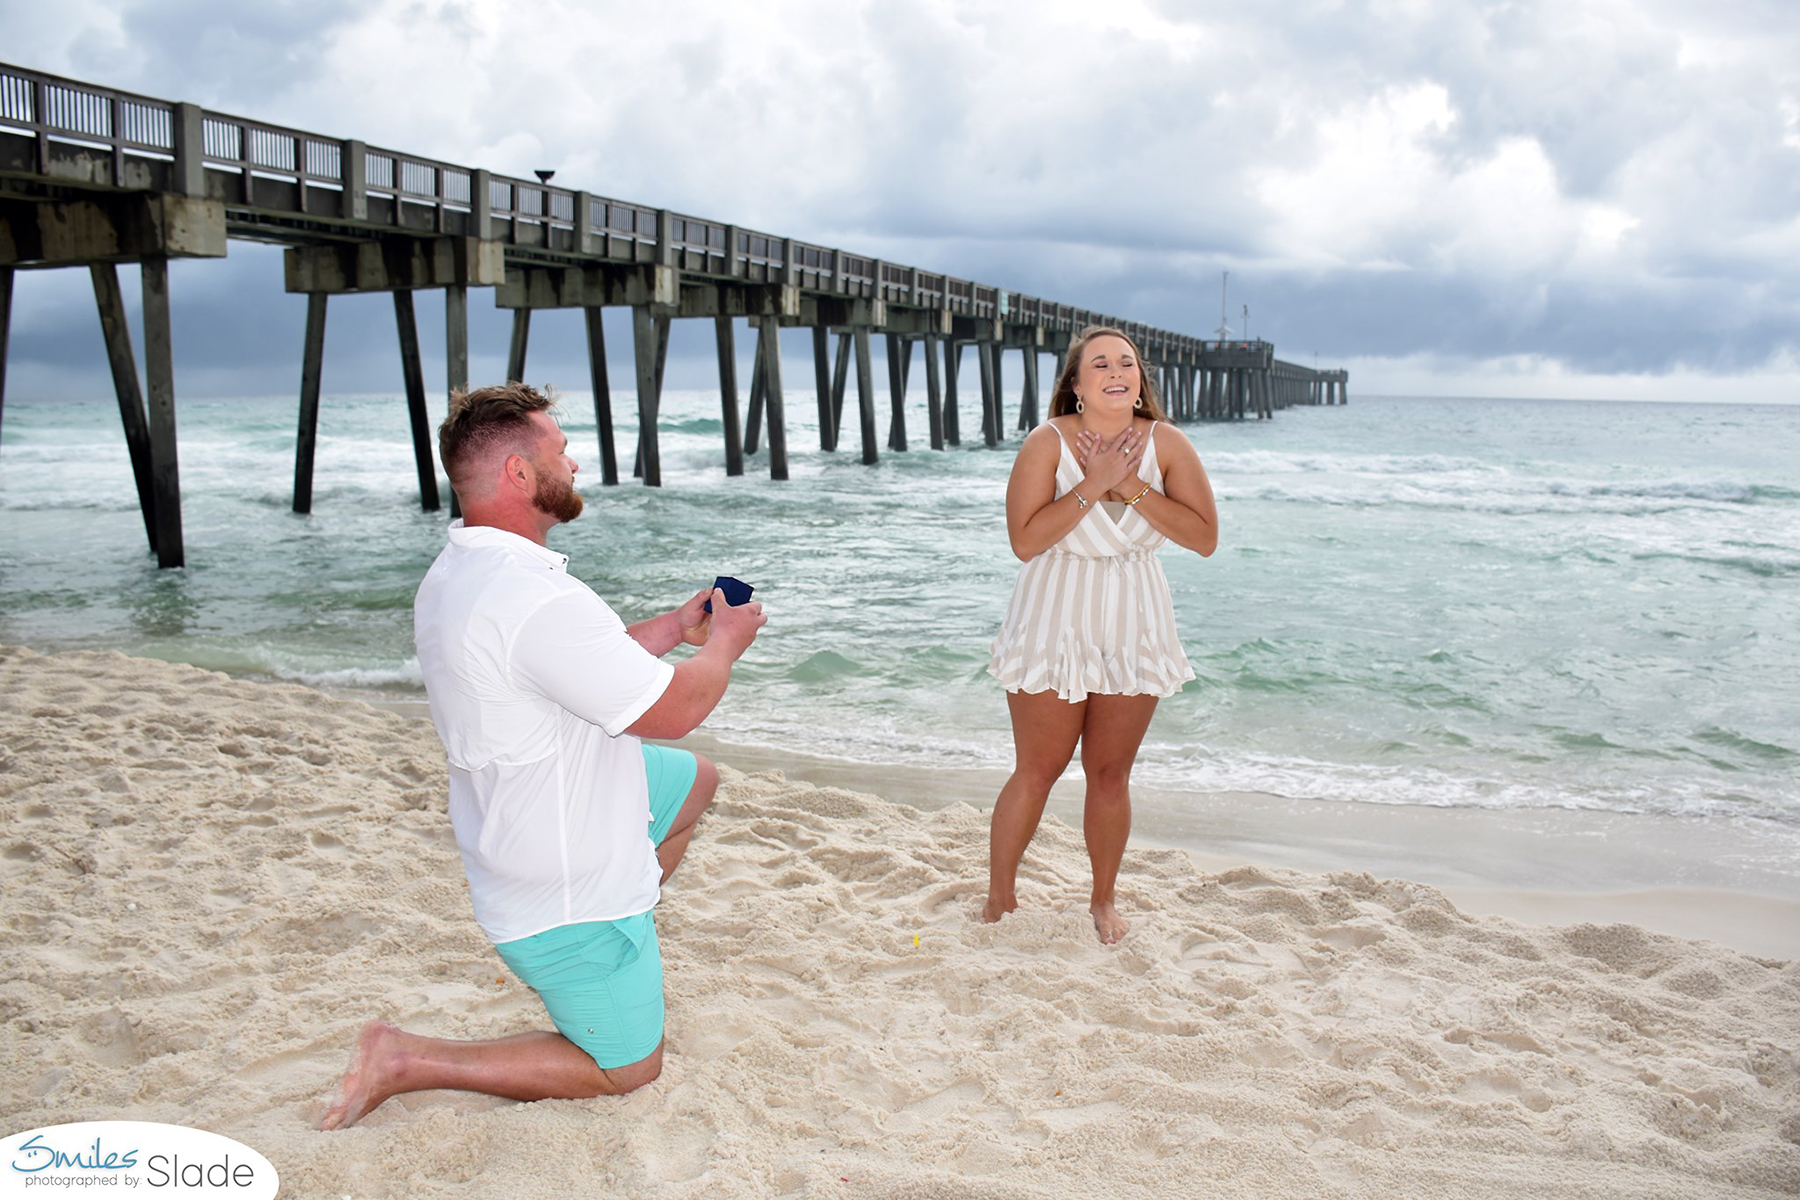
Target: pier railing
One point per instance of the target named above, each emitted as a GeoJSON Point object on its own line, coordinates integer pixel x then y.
{"type": "Point", "coordinates": [345, 179]}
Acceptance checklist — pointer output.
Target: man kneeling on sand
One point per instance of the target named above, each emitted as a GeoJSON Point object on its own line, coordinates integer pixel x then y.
{"type": "Point", "coordinates": [567, 824]}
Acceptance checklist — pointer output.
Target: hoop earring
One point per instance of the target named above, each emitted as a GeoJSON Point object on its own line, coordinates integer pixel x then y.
{"type": "Point", "coordinates": [1078, 404]}
{"type": "Point", "coordinates": [1139, 403]}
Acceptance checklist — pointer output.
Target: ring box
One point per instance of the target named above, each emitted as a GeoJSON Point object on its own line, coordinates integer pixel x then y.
{"type": "Point", "coordinates": [736, 591]}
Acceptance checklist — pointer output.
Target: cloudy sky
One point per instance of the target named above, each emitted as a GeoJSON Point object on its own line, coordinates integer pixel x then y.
{"type": "Point", "coordinates": [1586, 198]}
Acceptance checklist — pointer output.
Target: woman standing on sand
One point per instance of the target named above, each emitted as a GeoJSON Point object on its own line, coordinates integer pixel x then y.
{"type": "Point", "coordinates": [1088, 645]}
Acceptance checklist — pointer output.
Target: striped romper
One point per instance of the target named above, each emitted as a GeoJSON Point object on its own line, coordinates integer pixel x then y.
{"type": "Point", "coordinates": [1093, 612]}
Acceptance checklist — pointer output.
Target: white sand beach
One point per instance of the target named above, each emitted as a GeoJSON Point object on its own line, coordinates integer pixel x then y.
{"type": "Point", "coordinates": [210, 884]}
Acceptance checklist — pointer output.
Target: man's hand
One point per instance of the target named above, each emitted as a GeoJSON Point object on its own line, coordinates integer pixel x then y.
{"type": "Point", "coordinates": [699, 681]}
{"type": "Point", "coordinates": [695, 621]}
{"type": "Point", "coordinates": [736, 626]}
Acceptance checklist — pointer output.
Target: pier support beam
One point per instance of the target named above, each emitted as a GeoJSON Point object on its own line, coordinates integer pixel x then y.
{"type": "Point", "coordinates": [728, 395]}
{"type": "Point", "coordinates": [312, 364]}
{"type": "Point", "coordinates": [952, 361]}
{"type": "Point", "coordinates": [769, 340]}
{"type": "Point", "coordinates": [1028, 400]}
{"type": "Point", "coordinates": [899, 363]}
{"type": "Point", "coordinates": [6, 294]}
{"type": "Point", "coordinates": [456, 337]}
{"type": "Point", "coordinates": [414, 375]}
{"type": "Point", "coordinates": [593, 317]}
{"type": "Point", "coordinates": [456, 357]}
{"type": "Point", "coordinates": [753, 423]}
{"type": "Point", "coordinates": [821, 339]}
{"type": "Point", "coordinates": [159, 380]}
{"type": "Point", "coordinates": [650, 349]}
{"type": "Point", "coordinates": [111, 303]}
{"type": "Point", "coordinates": [1025, 396]}
{"type": "Point", "coordinates": [840, 375]}
{"type": "Point", "coordinates": [865, 395]}
{"type": "Point", "coordinates": [986, 354]}
{"type": "Point", "coordinates": [934, 394]}
{"type": "Point", "coordinates": [521, 338]}
{"type": "Point", "coordinates": [999, 393]}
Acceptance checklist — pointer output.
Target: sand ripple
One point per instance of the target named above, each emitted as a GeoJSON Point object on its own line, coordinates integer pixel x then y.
{"type": "Point", "coordinates": [209, 885]}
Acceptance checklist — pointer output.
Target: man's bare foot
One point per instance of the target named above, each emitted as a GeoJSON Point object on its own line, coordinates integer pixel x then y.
{"type": "Point", "coordinates": [368, 1080]}
{"type": "Point", "coordinates": [997, 907]}
{"type": "Point", "coordinates": [1108, 923]}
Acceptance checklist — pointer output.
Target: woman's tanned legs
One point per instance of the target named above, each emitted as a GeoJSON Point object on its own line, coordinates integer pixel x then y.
{"type": "Point", "coordinates": [1045, 730]}
{"type": "Point", "coordinates": [1110, 736]}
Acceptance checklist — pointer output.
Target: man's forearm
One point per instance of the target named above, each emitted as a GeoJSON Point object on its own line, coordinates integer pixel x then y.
{"type": "Point", "coordinates": [697, 687]}
{"type": "Point", "coordinates": [659, 634]}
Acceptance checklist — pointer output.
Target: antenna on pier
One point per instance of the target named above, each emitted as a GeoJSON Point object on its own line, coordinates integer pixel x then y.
{"type": "Point", "coordinates": [1224, 330]}
{"type": "Point", "coordinates": [544, 176]}
{"type": "Point", "coordinates": [1246, 322]}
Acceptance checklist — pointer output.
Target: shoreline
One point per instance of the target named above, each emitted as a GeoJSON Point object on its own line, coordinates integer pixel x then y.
{"type": "Point", "coordinates": [212, 884]}
{"type": "Point", "coordinates": [1685, 877]}
{"type": "Point", "coordinates": [1547, 866]}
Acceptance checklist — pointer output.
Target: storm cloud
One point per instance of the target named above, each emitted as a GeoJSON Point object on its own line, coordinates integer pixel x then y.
{"type": "Point", "coordinates": [1587, 198]}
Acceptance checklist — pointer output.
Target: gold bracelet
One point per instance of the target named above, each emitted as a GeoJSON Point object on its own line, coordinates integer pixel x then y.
{"type": "Point", "coordinates": [1140, 495]}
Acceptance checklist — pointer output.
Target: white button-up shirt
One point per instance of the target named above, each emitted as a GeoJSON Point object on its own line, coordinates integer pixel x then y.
{"type": "Point", "coordinates": [533, 681]}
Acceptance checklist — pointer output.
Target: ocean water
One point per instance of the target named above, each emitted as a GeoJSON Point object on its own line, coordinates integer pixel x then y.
{"type": "Point", "coordinates": [1462, 603]}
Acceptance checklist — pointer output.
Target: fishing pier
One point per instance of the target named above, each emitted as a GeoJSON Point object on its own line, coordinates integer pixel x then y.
{"type": "Point", "coordinates": [94, 177]}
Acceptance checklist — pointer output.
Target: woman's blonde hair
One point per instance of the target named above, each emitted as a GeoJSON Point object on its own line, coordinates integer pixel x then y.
{"type": "Point", "coordinates": [1062, 399]}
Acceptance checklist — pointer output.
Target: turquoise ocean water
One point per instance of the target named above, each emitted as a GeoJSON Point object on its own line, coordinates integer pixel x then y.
{"type": "Point", "coordinates": [1464, 603]}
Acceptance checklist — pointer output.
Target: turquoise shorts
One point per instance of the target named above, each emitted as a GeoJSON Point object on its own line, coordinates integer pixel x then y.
{"type": "Point", "coordinates": [601, 981]}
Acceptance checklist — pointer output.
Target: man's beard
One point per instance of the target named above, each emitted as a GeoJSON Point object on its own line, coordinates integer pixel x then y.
{"type": "Point", "coordinates": [557, 498]}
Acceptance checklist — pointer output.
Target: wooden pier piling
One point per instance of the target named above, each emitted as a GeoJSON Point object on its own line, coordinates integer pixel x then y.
{"type": "Point", "coordinates": [753, 422]}
{"type": "Point", "coordinates": [117, 334]}
{"type": "Point", "coordinates": [770, 347]}
{"type": "Point", "coordinates": [822, 389]}
{"type": "Point", "coordinates": [600, 382]}
{"type": "Point", "coordinates": [899, 363]}
{"type": "Point", "coordinates": [650, 349]}
{"type": "Point", "coordinates": [159, 380]}
{"type": "Point", "coordinates": [839, 379]}
{"type": "Point", "coordinates": [312, 366]}
{"type": "Point", "coordinates": [1028, 400]}
{"type": "Point", "coordinates": [865, 395]}
{"type": "Point", "coordinates": [952, 363]}
{"type": "Point", "coordinates": [414, 375]}
{"type": "Point", "coordinates": [6, 295]}
{"type": "Point", "coordinates": [521, 339]}
{"type": "Point", "coordinates": [934, 394]}
{"type": "Point", "coordinates": [728, 396]}
{"type": "Point", "coordinates": [986, 356]}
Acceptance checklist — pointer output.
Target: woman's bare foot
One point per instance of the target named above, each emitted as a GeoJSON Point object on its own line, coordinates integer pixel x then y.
{"type": "Point", "coordinates": [1108, 923]}
{"type": "Point", "coordinates": [998, 906]}
{"type": "Point", "coordinates": [368, 1081]}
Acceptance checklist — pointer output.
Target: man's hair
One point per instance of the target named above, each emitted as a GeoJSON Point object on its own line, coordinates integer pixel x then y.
{"type": "Point", "coordinates": [487, 419]}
